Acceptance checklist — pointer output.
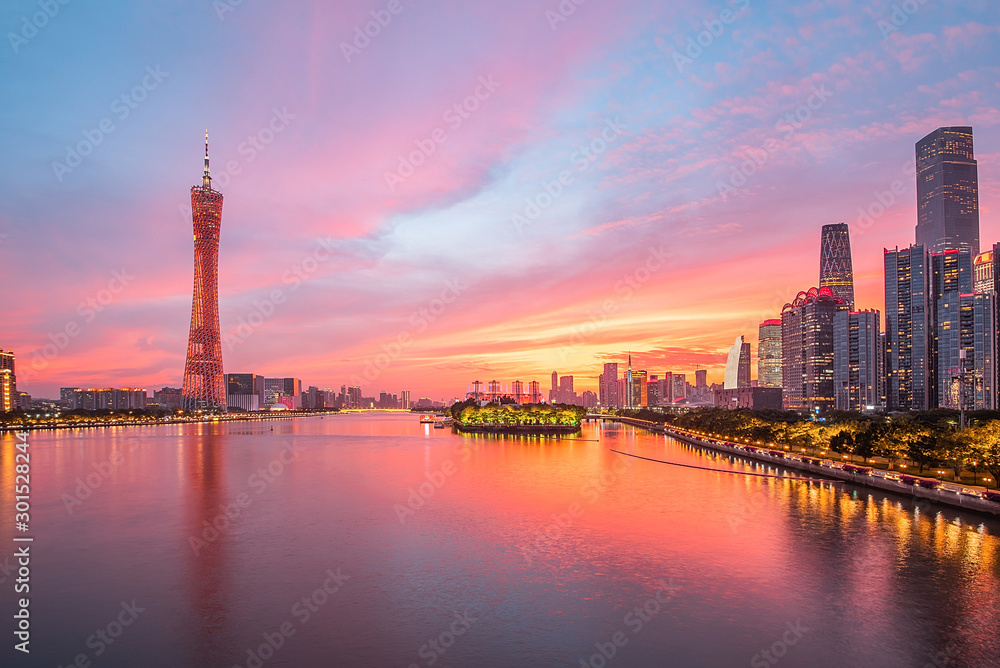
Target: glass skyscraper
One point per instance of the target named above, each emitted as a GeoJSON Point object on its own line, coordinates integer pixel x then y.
{"type": "Point", "coordinates": [909, 330]}
{"type": "Point", "coordinates": [835, 268]}
{"type": "Point", "coordinates": [947, 191]}
{"type": "Point", "coordinates": [769, 354]}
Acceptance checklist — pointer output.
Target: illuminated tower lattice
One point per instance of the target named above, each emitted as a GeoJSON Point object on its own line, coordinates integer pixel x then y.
{"type": "Point", "coordinates": [204, 382]}
{"type": "Point", "coordinates": [835, 268]}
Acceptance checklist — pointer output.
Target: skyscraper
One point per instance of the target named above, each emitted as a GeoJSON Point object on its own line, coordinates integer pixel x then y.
{"type": "Point", "coordinates": [701, 379]}
{"type": "Point", "coordinates": [738, 365]}
{"type": "Point", "coordinates": [951, 278]}
{"type": "Point", "coordinates": [769, 354]}
{"type": "Point", "coordinates": [629, 385]}
{"type": "Point", "coordinates": [835, 268]}
{"type": "Point", "coordinates": [611, 397]}
{"type": "Point", "coordinates": [8, 382]}
{"type": "Point", "coordinates": [807, 349]}
{"type": "Point", "coordinates": [857, 359]}
{"type": "Point", "coordinates": [965, 351]}
{"type": "Point", "coordinates": [909, 330]}
{"type": "Point", "coordinates": [204, 382]}
{"type": "Point", "coordinates": [983, 275]}
{"type": "Point", "coordinates": [947, 191]}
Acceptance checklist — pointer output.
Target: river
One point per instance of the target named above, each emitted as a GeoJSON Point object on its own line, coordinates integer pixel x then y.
{"type": "Point", "coordinates": [373, 540]}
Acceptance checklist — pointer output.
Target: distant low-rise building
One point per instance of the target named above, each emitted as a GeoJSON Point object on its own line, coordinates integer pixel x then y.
{"type": "Point", "coordinates": [755, 398]}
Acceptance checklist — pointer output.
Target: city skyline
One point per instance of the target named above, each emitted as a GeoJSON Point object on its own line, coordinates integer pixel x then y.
{"type": "Point", "coordinates": [338, 263]}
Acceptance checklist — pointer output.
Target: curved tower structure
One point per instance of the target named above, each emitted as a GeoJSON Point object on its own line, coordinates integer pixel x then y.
{"type": "Point", "coordinates": [204, 383]}
{"type": "Point", "coordinates": [835, 268]}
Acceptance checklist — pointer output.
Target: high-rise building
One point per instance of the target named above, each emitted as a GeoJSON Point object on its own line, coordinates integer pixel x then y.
{"type": "Point", "coordinates": [243, 391]}
{"type": "Point", "coordinates": [534, 392]}
{"type": "Point", "coordinates": [204, 383]}
{"type": "Point", "coordinates": [769, 354]}
{"type": "Point", "coordinates": [835, 268]}
{"type": "Point", "coordinates": [857, 360]}
{"type": "Point", "coordinates": [738, 365]}
{"type": "Point", "coordinates": [909, 330]}
{"type": "Point", "coordinates": [92, 398]}
{"type": "Point", "coordinates": [947, 191]}
{"type": "Point", "coordinates": [610, 398]}
{"type": "Point", "coordinates": [404, 400]}
{"type": "Point", "coordinates": [807, 350]}
{"type": "Point", "coordinates": [653, 389]}
{"type": "Point", "coordinates": [8, 382]}
{"type": "Point", "coordinates": [701, 378]}
{"type": "Point", "coordinates": [629, 396]}
{"type": "Point", "coordinates": [554, 389]}
{"type": "Point", "coordinates": [66, 396]}
{"type": "Point", "coordinates": [966, 340]}
{"type": "Point", "coordinates": [951, 277]}
{"type": "Point", "coordinates": [678, 389]}
{"type": "Point", "coordinates": [983, 273]}
{"type": "Point", "coordinates": [640, 389]}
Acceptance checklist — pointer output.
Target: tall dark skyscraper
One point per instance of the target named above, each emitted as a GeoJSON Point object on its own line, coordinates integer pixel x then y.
{"type": "Point", "coordinates": [204, 383]}
{"type": "Point", "coordinates": [947, 191]}
{"type": "Point", "coordinates": [835, 268]}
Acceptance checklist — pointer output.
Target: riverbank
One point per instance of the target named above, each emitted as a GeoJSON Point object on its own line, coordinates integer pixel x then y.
{"type": "Point", "coordinates": [240, 417]}
{"type": "Point", "coordinates": [518, 430]}
{"type": "Point", "coordinates": [905, 485]}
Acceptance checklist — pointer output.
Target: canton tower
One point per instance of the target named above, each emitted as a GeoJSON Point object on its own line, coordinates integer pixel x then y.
{"type": "Point", "coordinates": [204, 384]}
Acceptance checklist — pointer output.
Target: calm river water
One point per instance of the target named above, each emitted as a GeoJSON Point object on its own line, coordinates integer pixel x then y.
{"type": "Point", "coordinates": [373, 540]}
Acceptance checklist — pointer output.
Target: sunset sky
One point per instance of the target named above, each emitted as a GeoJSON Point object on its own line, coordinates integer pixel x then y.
{"type": "Point", "coordinates": [333, 115]}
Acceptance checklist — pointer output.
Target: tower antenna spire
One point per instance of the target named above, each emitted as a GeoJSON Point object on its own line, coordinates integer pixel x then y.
{"type": "Point", "coordinates": [206, 179]}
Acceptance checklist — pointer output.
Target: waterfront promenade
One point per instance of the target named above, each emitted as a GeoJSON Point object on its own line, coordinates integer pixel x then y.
{"type": "Point", "coordinates": [929, 489]}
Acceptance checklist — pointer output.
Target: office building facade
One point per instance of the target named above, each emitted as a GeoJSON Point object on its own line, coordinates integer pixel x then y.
{"type": "Point", "coordinates": [947, 191]}
{"type": "Point", "coordinates": [836, 270]}
{"type": "Point", "coordinates": [858, 360]}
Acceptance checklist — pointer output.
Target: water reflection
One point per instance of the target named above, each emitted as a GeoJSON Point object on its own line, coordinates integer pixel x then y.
{"type": "Point", "coordinates": [207, 556]}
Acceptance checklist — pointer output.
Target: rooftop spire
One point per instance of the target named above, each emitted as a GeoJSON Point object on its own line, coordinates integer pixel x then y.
{"type": "Point", "coordinates": [206, 180]}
